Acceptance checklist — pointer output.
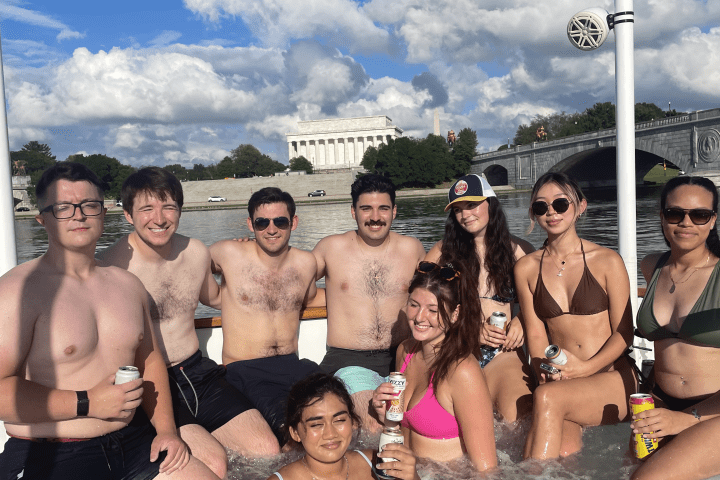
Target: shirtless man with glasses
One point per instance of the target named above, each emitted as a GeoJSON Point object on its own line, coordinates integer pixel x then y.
{"type": "Point", "coordinates": [69, 322]}
{"type": "Point", "coordinates": [266, 284]}
{"type": "Point", "coordinates": [209, 413]}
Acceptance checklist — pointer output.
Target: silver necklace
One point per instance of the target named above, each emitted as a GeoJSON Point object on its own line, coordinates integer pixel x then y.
{"type": "Point", "coordinates": [347, 469]}
{"type": "Point", "coordinates": [561, 267]}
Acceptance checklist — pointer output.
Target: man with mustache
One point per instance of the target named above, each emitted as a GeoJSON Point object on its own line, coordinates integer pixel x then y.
{"type": "Point", "coordinates": [367, 272]}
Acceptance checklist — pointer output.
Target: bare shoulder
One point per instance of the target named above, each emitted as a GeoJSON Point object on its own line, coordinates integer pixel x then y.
{"type": "Point", "coordinates": [602, 256]}
{"type": "Point", "coordinates": [647, 265]}
{"type": "Point", "coordinates": [121, 278]}
{"type": "Point", "coordinates": [303, 258]}
{"type": "Point", "coordinates": [408, 244]}
{"type": "Point", "coordinates": [433, 255]}
{"type": "Point", "coordinates": [117, 253]}
{"type": "Point", "coordinates": [334, 241]}
{"type": "Point", "coordinates": [196, 248]}
{"type": "Point", "coordinates": [288, 472]}
{"type": "Point", "coordinates": [225, 247]}
{"type": "Point", "coordinates": [466, 376]}
{"type": "Point", "coordinates": [20, 279]}
{"type": "Point", "coordinates": [521, 247]}
{"type": "Point", "coordinates": [528, 263]}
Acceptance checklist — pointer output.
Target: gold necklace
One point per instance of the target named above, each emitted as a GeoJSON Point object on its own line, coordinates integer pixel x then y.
{"type": "Point", "coordinates": [347, 469]}
{"type": "Point", "coordinates": [698, 267]}
{"type": "Point", "coordinates": [561, 267]}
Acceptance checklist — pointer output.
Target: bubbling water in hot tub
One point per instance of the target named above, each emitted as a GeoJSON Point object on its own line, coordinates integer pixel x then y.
{"type": "Point", "coordinates": [605, 456]}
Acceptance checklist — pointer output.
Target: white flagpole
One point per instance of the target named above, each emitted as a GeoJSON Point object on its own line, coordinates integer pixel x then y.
{"type": "Point", "coordinates": [8, 255]}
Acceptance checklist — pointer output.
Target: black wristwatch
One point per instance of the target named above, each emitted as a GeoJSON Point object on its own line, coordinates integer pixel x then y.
{"type": "Point", "coordinates": [83, 403]}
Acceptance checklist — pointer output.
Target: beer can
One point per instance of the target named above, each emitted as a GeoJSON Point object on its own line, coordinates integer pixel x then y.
{"type": "Point", "coordinates": [639, 402]}
{"type": "Point", "coordinates": [498, 319]}
{"type": "Point", "coordinates": [396, 409]}
{"type": "Point", "coordinates": [389, 435]}
{"type": "Point", "coordinates": [555, 355]}
{"type": "Point", "coordinates": [126, 374]}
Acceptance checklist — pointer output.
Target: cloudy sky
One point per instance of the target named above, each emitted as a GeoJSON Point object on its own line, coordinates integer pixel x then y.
{"type": "Point", "coordinates": [153, 82]}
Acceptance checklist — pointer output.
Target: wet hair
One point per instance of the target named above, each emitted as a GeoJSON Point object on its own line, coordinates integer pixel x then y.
{"type": "Point", "coordinates": [712, 242]}
{"type": "Point", "coordinates": [153, 181]}
{"type": "Point", "coordinates": [372, 183]}
{"type": "Point", "coordinates": [268, 195]}
{"type": "Point", "coordinates": [458, 248]}
{"type": "Point", "coordinates": [462, 337]}
{"type": "Point", "coordinates": [310, 390]}
{"type": "Point", "coordinates": [564, 182]}
{"type": "Point", "coordinates": [72, 171]}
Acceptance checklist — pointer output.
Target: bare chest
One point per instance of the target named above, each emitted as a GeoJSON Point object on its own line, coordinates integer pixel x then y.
{"type": "Point", "coordinates": [274, 291]}
{"type": "Point", "coordinates": [173, 297]}
{"type": "Point", "coordinates": [376, 279]}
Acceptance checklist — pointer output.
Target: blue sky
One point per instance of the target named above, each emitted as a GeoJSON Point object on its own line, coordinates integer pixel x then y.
{"type": "Point", "coordinates": [157, 82]}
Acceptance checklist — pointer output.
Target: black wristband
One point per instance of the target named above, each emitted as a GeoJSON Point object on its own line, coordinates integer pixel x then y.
{"type": "Point", "coordinates": [83, 403]}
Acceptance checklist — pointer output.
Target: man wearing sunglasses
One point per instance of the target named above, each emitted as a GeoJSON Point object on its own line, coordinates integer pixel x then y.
{"type": "Point", "coordinates": [69, 322]}
{"type": "Point", "coordinates": [367, 273]}
{"type": "Point", "coordinates": [210, 413]}
{"type": "Point", "coordinates": [266, 284]}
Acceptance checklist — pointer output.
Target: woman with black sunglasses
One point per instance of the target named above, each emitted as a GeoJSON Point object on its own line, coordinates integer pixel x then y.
{"type": "Point", "coordinates": [681, 314]}
{"type": "Point", "coordinates": [574, 294]}
{"type": "Point", "coordinates": [448, 411]}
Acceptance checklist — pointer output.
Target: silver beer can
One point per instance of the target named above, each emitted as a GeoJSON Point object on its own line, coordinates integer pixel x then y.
{"type": "Point", "coordinates": [498, 319]}
{"type": "Point", "coordinates": [555, 355]}
{"type": "Point", "coordinates": [396, 409]}
{"type": "Point", "coordinates": [389, 435]}
{"type": "Point", "coordinates": [126, 374]}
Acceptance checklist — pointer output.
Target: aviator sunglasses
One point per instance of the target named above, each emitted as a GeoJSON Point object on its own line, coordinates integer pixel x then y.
{"type": "Point", "coordinates": [261, 223]}
{"type": "Point", "coordinates": [698, 216]}
{"type": "Point", "coordinates": [560, 205]}
{"type": "Point", "coordinates": [447, 272]}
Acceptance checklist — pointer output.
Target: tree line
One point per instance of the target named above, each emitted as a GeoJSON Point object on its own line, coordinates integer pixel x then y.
{"type": "Point", "coordinates": [243, 162]}
{"type": "Point", "coordinates": [600, 116]}
{"type": "Point", "coordinates": [427, 162]}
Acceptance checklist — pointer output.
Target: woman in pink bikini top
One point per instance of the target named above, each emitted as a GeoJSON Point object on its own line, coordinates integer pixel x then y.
{"type": "Point", "coordinates": [448, 410]}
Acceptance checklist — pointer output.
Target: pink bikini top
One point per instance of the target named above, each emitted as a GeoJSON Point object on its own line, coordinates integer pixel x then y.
{"type": "Point", "coordinates": [428, 418]}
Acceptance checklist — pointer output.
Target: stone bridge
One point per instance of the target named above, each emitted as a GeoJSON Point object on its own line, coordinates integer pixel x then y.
{"type": "Point", "coordinates": [691, 142]}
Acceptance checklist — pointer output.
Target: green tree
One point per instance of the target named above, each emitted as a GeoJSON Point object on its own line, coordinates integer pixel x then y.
{"type": "Point", "coordinates": [463, 152]}
{"type": "Point", "coordinates": [178, 170]}
{"type": "Point", "coordinates": [645, 112]}
{"type": "Point", "coordinates": [301, 163]}
{"type": "Point", "coordinates": [248, 161]}
{"type": "Point", "coordinates": [370, 158]}
{"type": "Point", "coordinates": [35, 158]}
{"type": "Point", "coordinates": [109, 169]}
{"type": "Point", "coordinates": [409, 162]}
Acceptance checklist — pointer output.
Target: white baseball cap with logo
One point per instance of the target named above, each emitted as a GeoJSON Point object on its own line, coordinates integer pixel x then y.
{"type": "Point", "coordinates": [470, 188]}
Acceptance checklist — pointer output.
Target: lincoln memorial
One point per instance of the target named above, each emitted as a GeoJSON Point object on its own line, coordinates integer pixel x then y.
{"type": "Point", "coordinates": [339, 144]}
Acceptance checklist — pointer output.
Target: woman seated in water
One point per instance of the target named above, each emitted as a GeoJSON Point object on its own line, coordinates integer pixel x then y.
{"type": "Point", "coordinates": [478, 242]}
{"type": "Point", "coordinates": [574, 294]}
{"type": "Point", "coordinates": [681, 314]}
{"type": "Point", "coordinates": [320, 417]}
{"type": "Point", "coordinates": [448, 411]}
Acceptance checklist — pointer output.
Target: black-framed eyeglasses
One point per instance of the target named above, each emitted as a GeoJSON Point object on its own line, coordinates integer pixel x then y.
{"type": "Point", "coordinates": [261, 223]}
{"type": "Point", "coordinates": [63, 211]}
{"type": "Point", "coordinates": [447, 272]}
{"type": "Point", "coordinates": [698, 216]}
{"type": "Point", "coordinates": [560, 205]}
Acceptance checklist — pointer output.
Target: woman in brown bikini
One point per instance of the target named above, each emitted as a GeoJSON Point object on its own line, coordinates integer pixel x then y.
{"type": "Point", "coordinates": [574, 294]}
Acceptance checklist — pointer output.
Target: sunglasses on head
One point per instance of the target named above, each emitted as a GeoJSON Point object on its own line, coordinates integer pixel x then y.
{"type": "Point", "coordinates": [261, 223]}
{"type": "Point", "coordinates": [698, 216]}
{"type": "Point", "coordinates": [447, 272]}
{"type": "Point", "coordinates": [560, 205]}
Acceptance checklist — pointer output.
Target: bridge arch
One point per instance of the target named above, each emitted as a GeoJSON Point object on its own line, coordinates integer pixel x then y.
{"type": "Point", "coordinates": [496, 175]}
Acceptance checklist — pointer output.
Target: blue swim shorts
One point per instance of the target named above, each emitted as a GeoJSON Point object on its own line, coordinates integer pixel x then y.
{"type": "Point", "coordinates": [358, 379]}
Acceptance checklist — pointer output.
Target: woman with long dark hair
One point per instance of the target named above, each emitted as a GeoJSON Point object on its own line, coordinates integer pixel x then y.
{"type": "Point", "coordinates": [681, 314]}
{"type": "Point", "coordinates": [574, 294]}
{"type": "Point", "coordinates": [448, 411]}
{"type": "Point", "coordinates": [477, 242]}
{"type": "Point", "coordinates": [321, 419]}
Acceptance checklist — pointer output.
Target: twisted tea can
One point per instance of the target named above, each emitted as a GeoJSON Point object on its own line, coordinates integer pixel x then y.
{"type": "Point", "coordinates": [126, 374]}
{"type": "Point", "coordinates": [389, 435]}
{"type": "Point", "coordinates": [498, 319]}
{"type": "Point", "coordinates": [396, 409]}
{"type": "Point", "coordinates": [639, 402]}
{"type": "Point", "coordinates": [555, 355]}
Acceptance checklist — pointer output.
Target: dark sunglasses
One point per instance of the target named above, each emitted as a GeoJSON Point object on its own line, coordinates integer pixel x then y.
{"type": "Point", "coordinates": [261, 223]}
{"type": "Point", "coordinates": [698, 216]}
{"type": "Point", "coordinates": [560, 205]}
{"type": "Point", "coordinates": [447, 272]}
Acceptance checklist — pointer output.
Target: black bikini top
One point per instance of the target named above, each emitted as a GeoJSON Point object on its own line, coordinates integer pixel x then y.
{"type": "Point", "coordinates": [589, 297]}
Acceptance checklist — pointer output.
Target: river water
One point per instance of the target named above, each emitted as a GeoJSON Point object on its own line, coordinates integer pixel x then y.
{"type": "Point", "coordinates": [605, 455]}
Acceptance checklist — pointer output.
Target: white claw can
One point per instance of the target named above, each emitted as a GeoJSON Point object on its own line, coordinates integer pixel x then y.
{"type": "Point", "coordinates": [389, 435]}
{"type": "Point", "coordinates": [396, 409]}
{"type": "Point", "coordinates": [498, 319]}
{"type": "Point", "coordinates": [555, 355]}
{"type": "Point", "coordinates": [126, 374]}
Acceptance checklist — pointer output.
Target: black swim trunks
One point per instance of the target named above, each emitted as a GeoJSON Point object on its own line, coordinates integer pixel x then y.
{"type": "Point", "coordinates": [120, 455]}
{"type": "Point", "coordinates": [673, 403]}
{"type": "Point", "coordinates": [267, 382]}
{"type": "Point", "coordinates": [201, 394]}
{"type": "Point", "coordinates": [380, 361]}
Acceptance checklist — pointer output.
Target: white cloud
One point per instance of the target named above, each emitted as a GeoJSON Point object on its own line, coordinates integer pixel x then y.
{"type": "Point", "coordinates": [165, 38]}
{"type": "Point", "coordinates": [24, 15]}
